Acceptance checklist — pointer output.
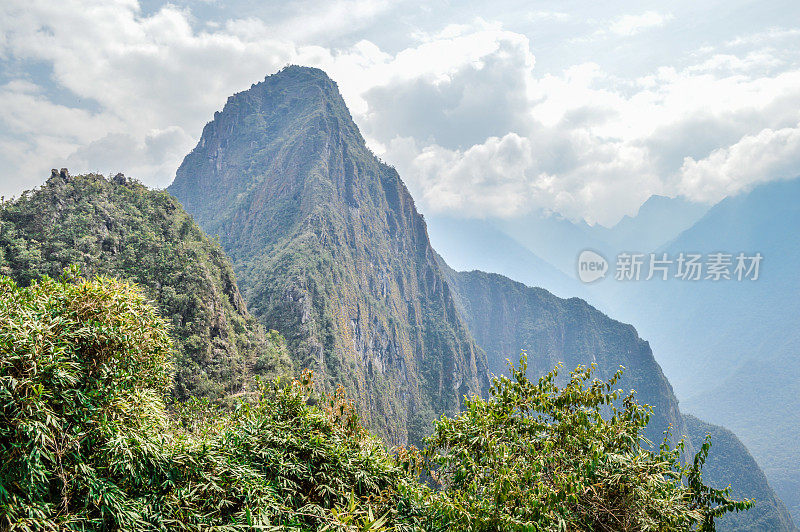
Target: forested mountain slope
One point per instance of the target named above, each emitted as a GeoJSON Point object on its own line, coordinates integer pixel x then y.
{"type": "Point", "coordinates": [331, 251]}
{"type": "Point", "coordinates": [506, 316]}
{"type": "Point", "coordinates": [120, 228]}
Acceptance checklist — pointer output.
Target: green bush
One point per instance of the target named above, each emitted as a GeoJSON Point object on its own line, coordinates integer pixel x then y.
{"type": "Point", "coordinates": [86, 443]}
{"type": "Point", "coordinates": [82, 371]}
{"type": "Point", "coordinates": [538, 457]}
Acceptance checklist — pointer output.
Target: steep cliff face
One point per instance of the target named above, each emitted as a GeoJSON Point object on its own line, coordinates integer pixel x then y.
{"type": "Point", "coordinates": [331, 251]}
{"type": "Point", "coordinates": [506, 317]}
{"type": "Point", "coordinates": [120, 228]}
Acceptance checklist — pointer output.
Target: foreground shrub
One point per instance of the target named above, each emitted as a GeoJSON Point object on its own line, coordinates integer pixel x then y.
{"type": "Point", "coordinates": [308, 465]}
{"type": "Point", "coordinates": [86, 443]}
{"type": "Point", "coordinates": [82, 368]}
{"type": "Point", "coordinates": [538, 457]}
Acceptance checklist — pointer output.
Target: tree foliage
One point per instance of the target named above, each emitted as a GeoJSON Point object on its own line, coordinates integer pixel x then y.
{"type": "Point", "coordinates": [82, 369]}
{"type": "Point", "coordinates": [538, 457]}
{"type": "Point", "coordinates": [86, 443]}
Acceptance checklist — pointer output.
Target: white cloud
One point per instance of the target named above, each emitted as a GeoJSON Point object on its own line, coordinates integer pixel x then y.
{"type": "Point", "coordinates": [766, 156]}
{"type": "Point", "coordinates": [486, 179]}
{"type": "Point", "coordinates": [769, 37]}
{"type": "Point", "coordinates": [312, 19]}
{"type": "Point", "coordinates": [548, 16]}
{"type": "Point", "coordinates": [454, 91]}
{"type": "Point", "coordinates": [598, 146]}
{"type": "Point", "coordinates": [119, 152]}
{"type": "Point", "coordinates": [143, 74]}
{"type": "Point", "coordinates": [632, 24]}
{"type": "Point", "coordinates": [509, 176]}
{"type": "Point", "coordinates": [458, 108]}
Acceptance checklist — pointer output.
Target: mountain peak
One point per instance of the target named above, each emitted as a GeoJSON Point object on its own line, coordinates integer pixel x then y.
{"type": "Point", "coordinates": [289, 87]}
{"type": "Point", "coordinates": [331, 251]}
{"type": "Point", "coordinates": [300, 73]}
{"type": "Point", "coordinates": [288, 129]}
{"type": "Point", "coordinates": [294, 80]}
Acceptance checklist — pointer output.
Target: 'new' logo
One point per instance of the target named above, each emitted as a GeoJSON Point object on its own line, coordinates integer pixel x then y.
{"type": "Point", "coordinates": [591, 266]}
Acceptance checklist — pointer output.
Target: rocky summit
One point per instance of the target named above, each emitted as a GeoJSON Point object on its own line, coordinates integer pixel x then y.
{"type": "Point", "coordinates": [331, 251]}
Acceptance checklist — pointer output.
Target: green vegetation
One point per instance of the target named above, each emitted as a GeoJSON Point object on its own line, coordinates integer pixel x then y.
{"type": "Point", "coordinates": [539, 457]}
{"type": "Point", "coordinates": [331, 251]}
{"type": "Point", "coordinates": [118, 227]}
{"type": "Point", "coordinates": [505, 315]}
{"type": "Point", "coordinates": [86, 443]}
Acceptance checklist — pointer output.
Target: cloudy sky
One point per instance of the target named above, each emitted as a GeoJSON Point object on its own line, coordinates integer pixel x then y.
{"type": "Point", "coordinates": [486, 108]}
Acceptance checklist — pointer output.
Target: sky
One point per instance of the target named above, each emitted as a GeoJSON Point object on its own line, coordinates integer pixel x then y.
{"type": "Point", "coordinates": [487, 109]}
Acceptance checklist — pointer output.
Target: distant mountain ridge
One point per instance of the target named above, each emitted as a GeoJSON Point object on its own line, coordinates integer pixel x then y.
{"type": "Point", "coordinates": [558, 240]}
{"type": "Point", "coordinates": [506, 317]}
{"type": "Point", "coordinates": [732, 348]}
{"type": "Point", "coordinates": [659, 220]}
{"type": "Point", "coordinates": [743, 375]}
{"type": "Point", "coordinates": [471, 244]}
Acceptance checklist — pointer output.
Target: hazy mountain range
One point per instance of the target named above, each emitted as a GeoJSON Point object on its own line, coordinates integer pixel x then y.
{"type": "Point", "coordinates": [711, 338]}
{"type": "Point", "coordinates": [731, 347]}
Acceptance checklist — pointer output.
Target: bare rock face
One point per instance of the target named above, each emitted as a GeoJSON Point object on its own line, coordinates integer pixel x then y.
{"type": "Point", "coordinates": [120, 179]}
{"type": "Point", "coordinates": [62, 175]}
